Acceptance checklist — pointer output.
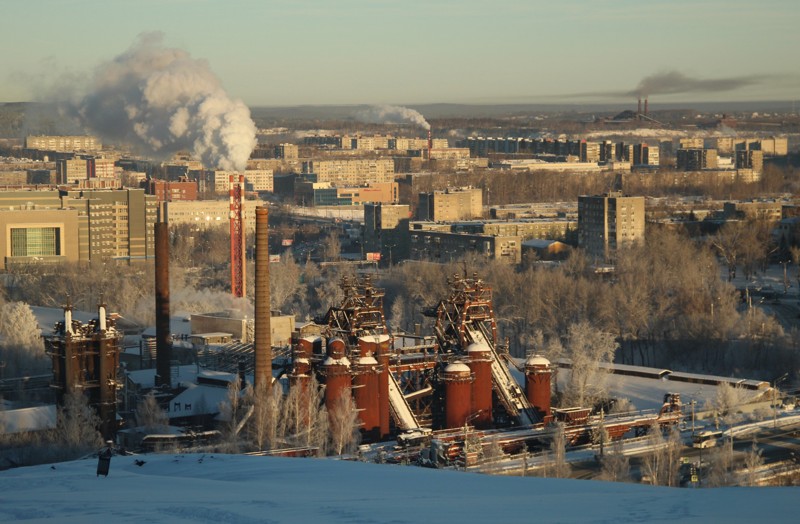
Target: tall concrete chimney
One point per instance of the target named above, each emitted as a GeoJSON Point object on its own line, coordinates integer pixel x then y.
{"type": "Point", "coordinates": [163, 342]}
{"type": "Point", "coordinates": [262, 344]}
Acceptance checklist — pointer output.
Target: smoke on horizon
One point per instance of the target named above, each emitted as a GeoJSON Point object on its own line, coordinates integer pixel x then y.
{"type": "Point", "coordinates": [675, 82]}
{"type": "Point", "coordinates": [160, 101]}
{"type": "Point", "coordinates": [387, 114]}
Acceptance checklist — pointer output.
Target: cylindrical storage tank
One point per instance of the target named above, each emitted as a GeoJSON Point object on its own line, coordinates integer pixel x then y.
{"type": "Point", "coordinates": [336, 370]}
{"type": "Point", "coordinates": [458, 394]}
{"type": "Point", "coordinates": [301, 365]}
{"type": "Point", "coordinates": [480, 363]}
{"type": "Point", "coordinates": [537, 384]}
{"type": "Point", "coordinates": [366, 395]}
{"type": "Point", "coordinates": [378, 346]}
{"type": "Point", "coordinates": [336, 348]}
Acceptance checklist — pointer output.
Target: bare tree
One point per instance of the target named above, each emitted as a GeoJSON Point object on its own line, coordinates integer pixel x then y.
{"type": "Point", "coordinates": [753, 461]}
{"type": "Point", "coordinates": [332, 245]}
{"type": "Point", "coordinates": [263, 425]}
{"type": "Point", "coordinates": [343, 426]}
{"type": "Point", "coordinates": [729, 242]}
{"type": "Point", "coordinates": [726, 401]}
{"type": "Point", "coordinates": [236, 413]}
{"type": "Point", "coordinates": [614, 464]}
{"type": "Point", "coordinates": [284, 282]}
{"type": "Point", "coordinates": [150, 416]}
{"type": "Point", "coordinates": [76, 427]}
{"type": "Point", "coordinates": [304, 420]}
{"type": "Point", "coordinates": [558, 448]}
{"type": "Point", "coordinates": [720, 465]}
{"type": "Point", "coordinates": [587, 347]}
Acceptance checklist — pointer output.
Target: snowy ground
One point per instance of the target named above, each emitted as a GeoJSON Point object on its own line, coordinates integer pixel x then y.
{"type": "Point", "coordinates": [244, 489]}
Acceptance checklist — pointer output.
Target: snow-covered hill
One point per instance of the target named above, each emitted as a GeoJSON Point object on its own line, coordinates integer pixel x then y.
{"type": "Point", "coordinates": [246, 489]}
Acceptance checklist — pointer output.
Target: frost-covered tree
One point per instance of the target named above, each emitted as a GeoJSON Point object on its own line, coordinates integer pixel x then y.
{"type": "Point", "coordinates": [614, 464]}
{"type": "Point", "coordinates": [304, 420]}
{"type": "Point", "coordinates": [21, 345]}
{"type": "Point", "coordinates": [343, 426]}
{"type": "Point", "coordinates": [77, 423]}
{"type": "Point", "coordinates": [587, 347]}
{"type": "Point", "coordinates": [753, 461]}
{"type": "Point", "coordinates": [262, 428]}
{"type": "Point", "coordinates": [720, 462]}
{"type": "Point", "coordinates": [150, 416]}
{"type": "Point", "coordinates": [558, 448]}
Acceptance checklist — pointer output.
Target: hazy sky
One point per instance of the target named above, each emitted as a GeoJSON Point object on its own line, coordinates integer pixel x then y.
{"type": "Point", "coordinates": [288, 52]}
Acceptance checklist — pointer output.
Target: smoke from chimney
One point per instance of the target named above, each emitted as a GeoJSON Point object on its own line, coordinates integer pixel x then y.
{"type": "Point", "coordinates": [161, 100]}
{"type": "Point", "coordinates": [674, 82]}
{"type": "Point", "coordinates": [392, 115]}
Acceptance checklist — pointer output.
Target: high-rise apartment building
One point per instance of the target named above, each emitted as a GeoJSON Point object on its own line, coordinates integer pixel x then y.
{"type": "Point", "coordinates": [114, 224]}
{"type": "Point", "coordinates": [696, 159]}
{"type": "Point", "coordinates": [752, 159]}
{"type": "Point", "coordinates": [386, 231]}
{"type": "Point", "coordinates": [607, 222]}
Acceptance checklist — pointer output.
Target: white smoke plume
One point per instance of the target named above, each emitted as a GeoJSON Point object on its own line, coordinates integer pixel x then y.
{"type": "Point", "coordinates": [392, 115]}
{"type": "Point", "coordinates": [161, 100]}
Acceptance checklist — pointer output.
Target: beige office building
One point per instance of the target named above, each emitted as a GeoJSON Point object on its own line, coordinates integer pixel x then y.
{"type": "Point", "coordinates": [451, 205]}
{"type": "Point", "coordinates": [202, 214]}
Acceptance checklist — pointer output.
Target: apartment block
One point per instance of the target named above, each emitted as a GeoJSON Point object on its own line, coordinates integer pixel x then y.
{"type": "Point", "coordinates": [607, 222]}
{"type": "Point", "coordinates": [168, 191]}
{"type": "Point", "coordinates": [444, 246]}
{"type": "Point", "coordinates": [354, 172]}
{"type": "Point", "coordinates": [202, 214]}
{"type": "Point", "coordinates": [696, 159]}
{"type": "Point", "coordinates": [63, 143]}
{"type": "Point", "coordinates": [255, 180]}
{"type": "Point", "coordinates": [450, 205]}
{"type": "Point", "coordinates": [287, 151]}
{"type": "Point", "coordinates": [386, 231]}
{"type": "Point", "coordinates": [118, 223]}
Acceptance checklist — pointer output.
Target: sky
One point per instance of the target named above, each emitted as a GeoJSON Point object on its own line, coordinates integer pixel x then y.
{"type": "Point", "coordinates": [315, 52]}
{"type": "Point", "coordinates": [215, 488]}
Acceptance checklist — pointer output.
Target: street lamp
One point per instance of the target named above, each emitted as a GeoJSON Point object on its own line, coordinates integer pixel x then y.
{"type": "Point", "coordinates": [774, 400]}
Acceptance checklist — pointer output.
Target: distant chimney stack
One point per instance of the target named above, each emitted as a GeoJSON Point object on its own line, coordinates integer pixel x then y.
{"type": "Point", "coordinates": [262, 345]}
{"type": "Point", "coordinates": [163, 342]}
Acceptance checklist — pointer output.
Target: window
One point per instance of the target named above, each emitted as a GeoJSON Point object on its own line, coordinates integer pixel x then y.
{"type": "Point", "coordinates": [35, 241]}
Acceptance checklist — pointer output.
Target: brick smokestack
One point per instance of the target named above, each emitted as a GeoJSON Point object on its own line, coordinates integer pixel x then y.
{"type": "Point", "coordinates": [163, 336]}
{"type": "Point", "coordinates": [262, 342]}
